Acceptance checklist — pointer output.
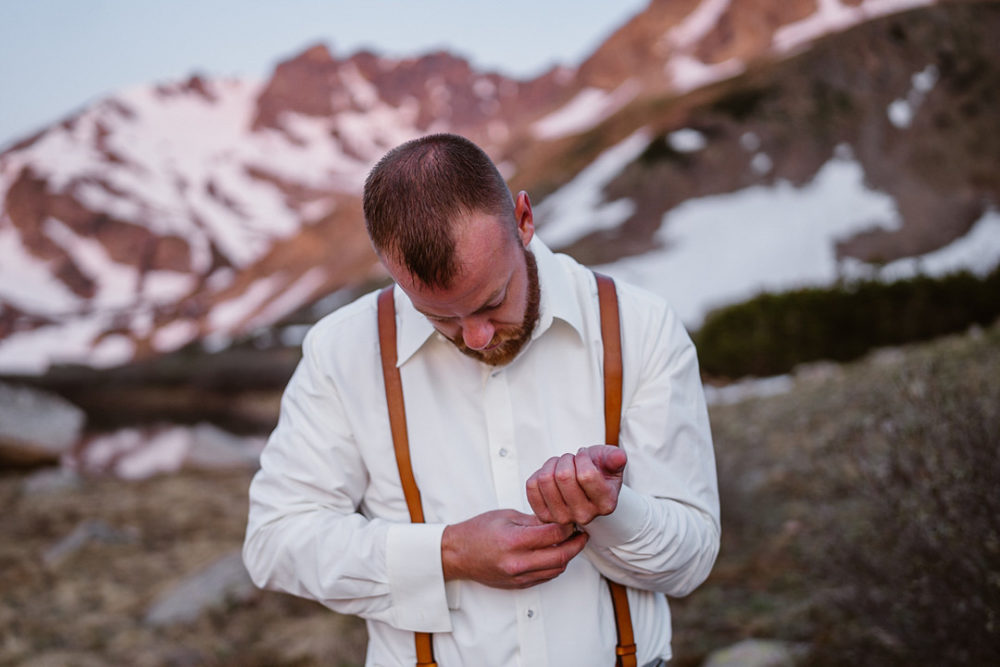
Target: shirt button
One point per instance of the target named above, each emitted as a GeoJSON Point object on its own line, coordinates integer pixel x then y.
{"type": "Point", "coordinates": [503, 452]}
{"type": "Point", "coordinates": [531, 613]}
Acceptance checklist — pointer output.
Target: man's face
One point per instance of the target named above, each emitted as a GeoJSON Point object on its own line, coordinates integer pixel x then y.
{"type": "Point", "coordinates": [508, 340]}
{"type": "Point", "coordinates": [491, 308]}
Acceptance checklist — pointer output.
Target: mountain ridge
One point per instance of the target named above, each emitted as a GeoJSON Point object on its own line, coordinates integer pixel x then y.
{"type": "Point", "coordinates": [207, 209]}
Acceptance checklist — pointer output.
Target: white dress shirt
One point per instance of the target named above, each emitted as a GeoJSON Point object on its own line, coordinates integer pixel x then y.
{"type": "Point", "coordinates": [328, 520]}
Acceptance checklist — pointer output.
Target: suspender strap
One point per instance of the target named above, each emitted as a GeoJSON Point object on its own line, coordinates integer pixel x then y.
{"type": "Point", "coordinates": [611, 336]}
{"type": "Point", "coordinates": [400, 440]}
{"type": "Point", "coordinates": [607, 299]}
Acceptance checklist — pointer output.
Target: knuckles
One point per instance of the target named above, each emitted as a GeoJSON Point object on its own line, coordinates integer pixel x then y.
{"type": "Point", "coordinates": [565, 475]}
{"type": "Point", "coordinates": [511, 567]}
{"type": "Point", "coordinates": [607, 506]}
{"type": "Point", "coordinates": [589, 477]}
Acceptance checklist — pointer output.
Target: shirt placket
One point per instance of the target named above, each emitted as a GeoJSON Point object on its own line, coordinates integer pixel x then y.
{"type": "Point", "coordinates": [508, 486]}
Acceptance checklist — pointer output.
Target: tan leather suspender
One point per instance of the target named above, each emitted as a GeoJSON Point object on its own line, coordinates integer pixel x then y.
{"type": "Point", "coordinates": [611, 336]}
{"type": "Point", "coordinates": [400, 440]}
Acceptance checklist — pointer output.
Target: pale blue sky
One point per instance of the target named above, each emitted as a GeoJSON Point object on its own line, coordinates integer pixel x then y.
{"type": "Point", "coordinates": [58, 55]}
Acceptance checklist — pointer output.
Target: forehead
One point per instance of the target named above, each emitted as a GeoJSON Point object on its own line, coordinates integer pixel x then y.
{"type": "Point", "coordinates": [486, 252]}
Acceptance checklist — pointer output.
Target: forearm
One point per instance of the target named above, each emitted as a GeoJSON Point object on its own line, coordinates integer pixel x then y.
{"type": "Point", "coordinates": [375, 569]}
{"type": "Point", "coordinates": [654, 543]}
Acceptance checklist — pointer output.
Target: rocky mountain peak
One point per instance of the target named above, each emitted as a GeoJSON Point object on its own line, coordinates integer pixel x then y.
{"type": "Point", "coordinates": [207, 209]}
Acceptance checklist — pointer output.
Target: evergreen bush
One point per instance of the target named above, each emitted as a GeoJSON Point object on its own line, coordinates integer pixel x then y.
{"type": "Point", "coordinates": [771, 333]}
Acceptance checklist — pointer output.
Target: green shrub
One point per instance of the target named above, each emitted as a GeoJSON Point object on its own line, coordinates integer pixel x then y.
{"type": "Point", "coordinates": [771, 333]}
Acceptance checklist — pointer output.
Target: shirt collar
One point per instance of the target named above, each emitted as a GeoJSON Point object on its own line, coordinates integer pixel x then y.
{"type": "Point", "coordinates": [558, 302]}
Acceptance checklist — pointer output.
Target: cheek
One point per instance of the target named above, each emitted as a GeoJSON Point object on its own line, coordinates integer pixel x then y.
{"type": "Point", "coordinates": [513, 312]}
{"type": "Point", "coordinates": [448, 329]}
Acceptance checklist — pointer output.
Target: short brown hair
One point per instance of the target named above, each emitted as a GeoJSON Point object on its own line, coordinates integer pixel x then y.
{"type": "Point", "coordinates": [414, 194]}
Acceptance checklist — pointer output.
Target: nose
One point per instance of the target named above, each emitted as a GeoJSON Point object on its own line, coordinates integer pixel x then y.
{"type": "Point", "coordinates": [477, 333]}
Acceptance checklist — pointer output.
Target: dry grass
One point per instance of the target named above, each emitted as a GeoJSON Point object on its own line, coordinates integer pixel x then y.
{"type": "Point", "coordinates": [860, 513]}
{"type": "Point", "coordinates": [88, 608]}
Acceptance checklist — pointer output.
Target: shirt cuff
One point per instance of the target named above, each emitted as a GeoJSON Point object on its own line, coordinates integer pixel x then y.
{"type": "Point", "coordinates": [416, 578]}
{"type": "Point", "coordinates": [622, 525]}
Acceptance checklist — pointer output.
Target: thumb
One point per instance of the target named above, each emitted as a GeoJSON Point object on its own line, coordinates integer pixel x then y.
{"type": "Point", "coordinates": [611, 459]}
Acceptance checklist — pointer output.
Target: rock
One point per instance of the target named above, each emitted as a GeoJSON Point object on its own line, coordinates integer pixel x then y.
{"type": "Point", "coordinates": [51, 481]}
{"type": "Point", "coordinates": [35, 426]}
{"type": "Point", "coordinates": [64, 657]}
{"type": "Point", "coordinates": [91, 530]}
{"type": "Point", "coordinates": [758, 653]}
{"type": "Point", "coordinates": [214, 449]}
{"type": "Point", "coordinates": [743, 390]}
{"type": "Point", "coordinates": [222, 582]}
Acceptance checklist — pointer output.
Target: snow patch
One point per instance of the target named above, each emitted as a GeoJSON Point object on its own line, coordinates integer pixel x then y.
{"type": "Point", "coordinates": [32, 352]}
{"type": "Point", "coordinates": [362, 91]}
{"type": "Point", "coordinates": [697, 24]}
{"type": "Point", "coordinates": [761, 164]}
{"type": "Point", "coordinates": [115, 283]}
{"type": "Point", "coordinates": [228, 316]}
{"type": "Point", "coordinates": [727, 248]}
{"type": "Point", "coordinates": [977, 251]}
{"type": "Point", "coordinates": [750, 141]}
{"type": "Point", "coordinates": [166, 286]}
{"type": "Point", "coordinates": [901, 111]}
{"type": "Point", "coordinates": [687, 73]}
{"type": "Point", "coordinates": [134, 453]}
{"type": "Point", "coordinates": [317, 209]}
{"type": "Point", "coordinates": [290, 299]}
{"type": "Point", "coordinates": [111, 350]}
{"type": "Point", "coordinates": [484, 88]}
{"type": "Point", "coordinates": [588, 108]}
{"type": "Point", "coordinates": [687, 140]}
{"type": "Point", "coordinates": [174, 335]}
{"type": "Point", "coordinates": [834, 16]}
{"type": "Point", "coordinates": [577, 208]}
{"type": "Point", "coordinates": [29, 283]}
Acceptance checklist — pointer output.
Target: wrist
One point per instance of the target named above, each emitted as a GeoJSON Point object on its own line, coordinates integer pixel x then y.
{"type": "Point", "coordinates": [450, 553]}
{"type": "Point", "coordinates": [630, 517]}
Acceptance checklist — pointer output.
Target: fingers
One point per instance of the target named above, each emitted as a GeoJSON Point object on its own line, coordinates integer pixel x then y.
{"type": "Point", "coordinates": [546, 563]}
{"type": "Point", "coordinates": [543, 535]}
{"type": "Point", "coordinates": [593, 478]}
{"type": "Point", "coordinates": [553, 490]}
{"type": "Point", "coordinates": [540, 487]}
{"type": "Point", "coordinates": [507, 549]}
{"type": "Point", "coordinates": [576, 488]}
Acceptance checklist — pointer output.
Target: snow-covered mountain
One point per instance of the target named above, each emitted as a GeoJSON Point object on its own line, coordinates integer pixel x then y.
{"type": "Point", "coordinates": [708, 149]}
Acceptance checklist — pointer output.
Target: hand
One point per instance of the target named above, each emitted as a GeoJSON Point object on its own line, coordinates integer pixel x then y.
{"type": "Point", "coordinates": [576, 488]}
{"type": "Point", "coordinates": [508, 549]}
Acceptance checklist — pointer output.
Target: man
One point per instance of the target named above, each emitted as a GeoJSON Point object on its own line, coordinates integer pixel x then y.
{"type": "Point", "coordinates": [499, 351]}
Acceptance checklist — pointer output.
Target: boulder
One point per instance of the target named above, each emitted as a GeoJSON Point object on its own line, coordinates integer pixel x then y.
{"type": "Point", "coordinates": [215, 449]}
{"type": "Point", "coordinates": [51, 481]}
{"type": "Point", "coordinates": [87, 531]}
{"type": "Point", "coordinates": [221, 582]}
{"type": "Point", "coordinates": [36, 427]}
{"type": "Point", "coordinates": [758, 653]}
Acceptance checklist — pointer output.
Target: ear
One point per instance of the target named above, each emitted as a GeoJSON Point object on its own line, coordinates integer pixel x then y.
{"type": "Point", "coordinates": [525, 220]}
